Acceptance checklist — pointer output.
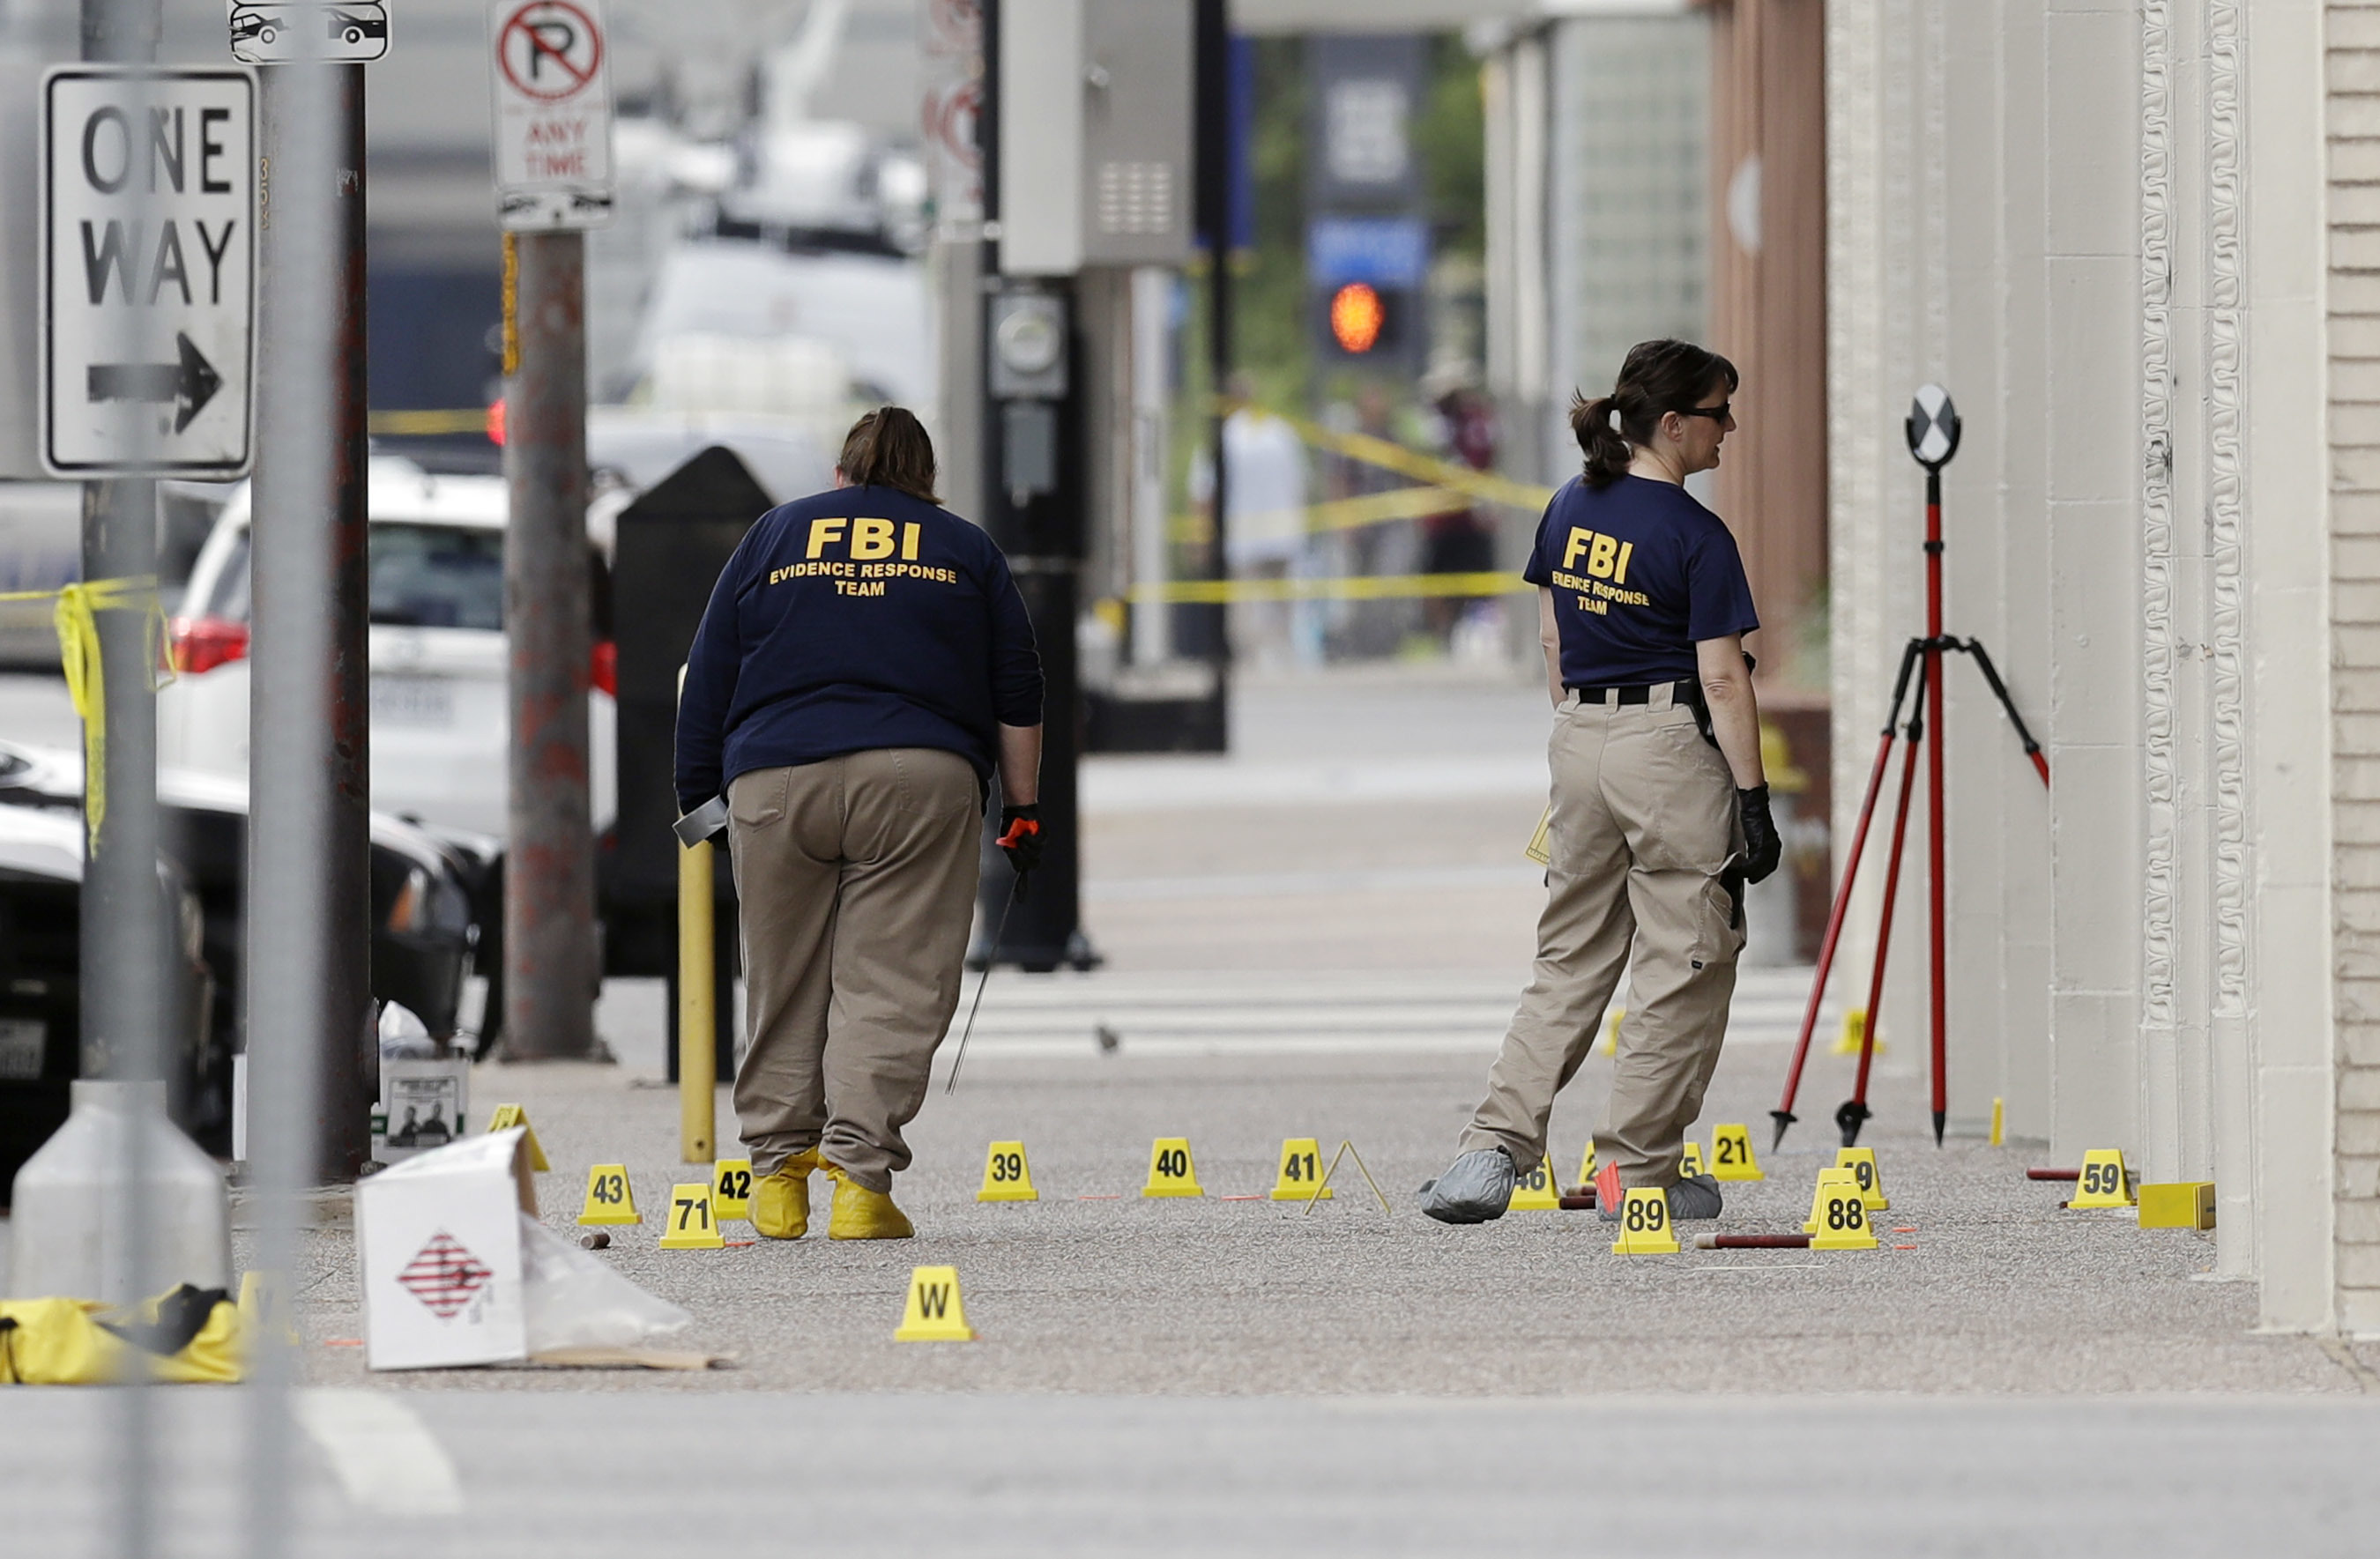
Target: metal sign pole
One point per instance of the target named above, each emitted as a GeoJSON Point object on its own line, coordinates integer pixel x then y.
{"type": "Point", "coordinates": [552, 111]}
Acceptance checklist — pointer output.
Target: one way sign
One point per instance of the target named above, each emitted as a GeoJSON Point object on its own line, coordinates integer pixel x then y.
{"type": "Point", "coordinates": [147, 271]}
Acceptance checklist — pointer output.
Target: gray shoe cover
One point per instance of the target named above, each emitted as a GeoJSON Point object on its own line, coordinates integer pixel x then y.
{"type": "Point", "coordinates": [1475, 1188]}
{"type": "Point", "coordinates": [1695, 1197]}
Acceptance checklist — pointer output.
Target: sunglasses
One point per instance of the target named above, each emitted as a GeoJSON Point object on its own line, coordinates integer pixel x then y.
{"type": "Point", "coordinates": [1718, 413]}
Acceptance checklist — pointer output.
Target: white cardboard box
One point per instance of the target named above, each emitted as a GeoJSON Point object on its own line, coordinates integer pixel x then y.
{"type": "Point", "coordinates": [441, 1244]}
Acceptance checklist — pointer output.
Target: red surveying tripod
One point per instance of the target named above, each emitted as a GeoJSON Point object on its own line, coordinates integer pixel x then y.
{"type": "Point", "coordinates": [1933, 429]}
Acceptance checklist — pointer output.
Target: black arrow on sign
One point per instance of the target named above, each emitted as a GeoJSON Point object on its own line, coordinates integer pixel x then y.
{"type": "Point", "coordinates": [189, 384]}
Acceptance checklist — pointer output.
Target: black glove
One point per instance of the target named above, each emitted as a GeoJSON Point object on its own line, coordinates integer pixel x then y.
{"type": "Point", "coordinates": [1020, 835]}
{"type": "Point", "coordinates": [1762, 848]}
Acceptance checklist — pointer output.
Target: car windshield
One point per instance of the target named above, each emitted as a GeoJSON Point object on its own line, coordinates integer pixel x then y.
{"type": "Point", "coordinates": [423, 576]}
{"type": "Point", "coordinates": [437, 577]}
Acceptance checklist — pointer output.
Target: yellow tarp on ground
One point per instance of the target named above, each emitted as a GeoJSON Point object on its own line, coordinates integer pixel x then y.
{"type": "Point", "coordinates": [190, 1337]}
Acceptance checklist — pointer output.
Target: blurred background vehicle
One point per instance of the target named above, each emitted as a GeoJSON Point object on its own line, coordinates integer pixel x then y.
{"type": "Point", "coordinates": [439, 715]}
{"type": "Point", "coordinates": [431, 895]}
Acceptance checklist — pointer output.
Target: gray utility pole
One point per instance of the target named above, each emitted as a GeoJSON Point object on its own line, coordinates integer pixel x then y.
{"type": "Point", "coordinates": [123, 941]}
{"type": "Point", "coordinates": [550, 967]}
{"type": "Point", "coordinates": [310, 795]}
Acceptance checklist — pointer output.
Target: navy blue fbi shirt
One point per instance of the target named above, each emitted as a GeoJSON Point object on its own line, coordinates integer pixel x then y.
{"type": "Point", "coordinates": [1640, 573]}
{"type": "Point", "coordinates": [855, 620]}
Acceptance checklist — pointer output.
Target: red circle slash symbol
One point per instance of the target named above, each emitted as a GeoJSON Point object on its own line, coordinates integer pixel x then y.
{"type": "Point", "coordinates": [549, 49]}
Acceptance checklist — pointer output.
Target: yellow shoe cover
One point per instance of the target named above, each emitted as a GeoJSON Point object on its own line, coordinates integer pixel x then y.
{"type": "Point", "coordinates": [861, 1214]}
{"type": "Point", "coordinates": [781, 1203]}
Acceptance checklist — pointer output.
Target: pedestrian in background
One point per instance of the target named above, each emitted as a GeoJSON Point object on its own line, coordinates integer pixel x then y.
{"type": "Point", "coordinates": [863, 669]}
{"type": "Point", "coordinates": [1659, 808]}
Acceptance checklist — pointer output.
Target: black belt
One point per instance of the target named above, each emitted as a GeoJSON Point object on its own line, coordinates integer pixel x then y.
{"type": "Point", "coordinates": [1682, 692]}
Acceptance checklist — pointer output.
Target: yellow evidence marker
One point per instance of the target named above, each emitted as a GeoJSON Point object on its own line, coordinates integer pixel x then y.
{"type": "Point", "coordinates": [2103, 1183]}
{"type": "Point", "coordinates": [1644, 1229]}
{"type": "Point", "coordinates": [609, 1200]}
{"type": "Point", "coordinates": [1854, 1032]}
{"type": "Point", "coordinates": [1831, 1175]}
{"type": "Point", "coordinates": [1170, 1172]}
{"type": "Point", "coordinates": [1838, 1215]}
{"type": "Point", "coordinates": [1690, 1161]}
{"type": "Point", "coordinates": [1862, 1163]}
{"type": "Point", "coordinates": [934, 1313]}
{"type": "Point", "coordinates": [509, 1116]}
{"type": "Point", "coordinates": [1611, 1030]}
{"type": "Point", "coordinates": [2173, 1204]}
{"type": "Point", "coordinates": [1006, 1176]}
{"type": "Point", "coordinates": [1586, 1164]}
{"type": "Point", "coordinates": [1534, 1189]}
{"type": "Point", "coordinates": [1731, 1154]}
{"type": "Point", "coordinates": [689, 1224]}
{"type": "Point", "coordinates": [731, 1188]}
{"type": "Point", "coordinates": [1301, 1171]}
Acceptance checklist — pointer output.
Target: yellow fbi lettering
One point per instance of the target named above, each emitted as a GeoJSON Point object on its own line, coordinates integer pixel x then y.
{"type": "Point", "coordinates": [862, 539]}
{"type": "Point", "coordinates": [1605, 557]}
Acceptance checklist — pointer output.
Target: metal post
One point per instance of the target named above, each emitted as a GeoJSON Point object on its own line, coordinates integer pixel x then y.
{"type": "Point", "coordinates": [1213, 120]}
{"type": "Point", "coordinates": [314, 1069]}
{"type": "Point", "coordinates": [698, 1069]}
{"type": "Point", "coordinates": [121, 949]}
{"type": "Point", "coordinates": [549, 971]}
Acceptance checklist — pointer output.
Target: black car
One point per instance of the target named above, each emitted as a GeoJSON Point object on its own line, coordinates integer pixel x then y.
{"type": "Point", "coordinates": [40, 989]}
{"type": "Point", "coordinates": [426, 927]}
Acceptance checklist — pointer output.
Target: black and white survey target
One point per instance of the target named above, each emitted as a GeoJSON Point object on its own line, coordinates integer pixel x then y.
{"type": "Point", "coordinates": [147, 271]}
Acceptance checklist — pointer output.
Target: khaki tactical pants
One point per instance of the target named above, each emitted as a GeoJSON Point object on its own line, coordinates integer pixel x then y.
{"type": "Point", "coordinates": [857, 879]}
{"type": "Point", "coordinates": [1644, 823]}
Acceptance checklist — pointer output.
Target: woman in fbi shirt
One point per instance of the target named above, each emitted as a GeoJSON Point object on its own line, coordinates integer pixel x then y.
{"type": "Point", "coordinates": [864, 668]}
{"type": "Point", "coordinates": [1660, 812]}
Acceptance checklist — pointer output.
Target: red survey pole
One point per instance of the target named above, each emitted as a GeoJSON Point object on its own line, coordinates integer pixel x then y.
{"type": "Point", "coordinates": [1934, 851]}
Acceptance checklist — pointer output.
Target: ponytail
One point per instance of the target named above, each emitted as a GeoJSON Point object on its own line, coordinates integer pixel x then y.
{"type": "Point", "coordinates": [1658, 378]}
{"type": "Point", "coordinates": [889, 447]}
{"type": "Point", "coordinates": [1607, 452]}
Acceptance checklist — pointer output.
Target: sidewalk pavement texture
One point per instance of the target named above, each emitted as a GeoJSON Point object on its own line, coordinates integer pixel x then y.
{"type": "Point", "coordinates": [2002, 1291]}
{"type": "Point", "coordinates": [469, 1474]}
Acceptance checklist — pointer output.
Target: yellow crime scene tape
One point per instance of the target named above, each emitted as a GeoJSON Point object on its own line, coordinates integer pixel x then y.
{"type": "Point", "coordinates": [75, 611]}
{"type": "Point", "coordinates": [427, 424]}
{"type": "Point", "coordinates": [1345, 588]}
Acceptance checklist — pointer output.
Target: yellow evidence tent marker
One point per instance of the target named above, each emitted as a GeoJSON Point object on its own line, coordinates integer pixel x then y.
{"type": "Point", "coordinates": [1534, 1189]}
{"type": "Point", "coordinates": [934, 1313]}
{"type": "Point", "coordinates": [731, 1188]}
{"type": "Point", "coordinates": [690, 1225]}
{"type": "Point", "coordinates": [1006, 1176]}
{"type": "Point", "coordinates": [1838, 1215]}
{"type": "Point", "coordinates": [609, 1200]}
{"type": "Point", "coordinates": [1301, 1172]}
{"type": "Point", "coordinates": [1586, 1164]}
{"type": "Point", "coordinates": [1690, 1161]}
{"type": "Point", "coordinates": [1834, 1174]}
{"type": "Point", "coordinates": [1645, 1227]}
{"type": "Point", "coordinates": [1854, 1031]}
{"type": "Point", "coordinates": [2175, 1204]}
{"type": "Point", "coordinates": [1611, 1030]}
{"type": "Point", "coordinates": [509, 1116]}
{"type": "Point", "coordinates": [1170, 1172]}
{"type": "Point", "coordinates": [2103, 1183]}
{"type": "Point", "coordinates": [1732, 1157]}
{"type": "Point", "coordinates": [1862, 1163]}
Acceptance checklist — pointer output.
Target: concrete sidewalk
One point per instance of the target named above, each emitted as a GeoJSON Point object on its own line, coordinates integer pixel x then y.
{"type": "Point", "coordinates": [1094, 1290]}
{"type": "Point", "coordinates": [588, 1475]}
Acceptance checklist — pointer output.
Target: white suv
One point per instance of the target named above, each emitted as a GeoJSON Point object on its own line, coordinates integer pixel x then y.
{"type": "Point", "coordinates": [439, 722]}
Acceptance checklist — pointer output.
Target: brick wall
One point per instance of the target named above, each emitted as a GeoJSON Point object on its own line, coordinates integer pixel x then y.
{"type": "Point", "coordinates": [2352, 67]}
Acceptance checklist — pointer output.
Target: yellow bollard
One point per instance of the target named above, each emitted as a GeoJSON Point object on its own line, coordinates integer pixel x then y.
{"type": "Point", "coordinates": [698, 1066]}
{"type": "Point", "coordinates": [698, 1028]}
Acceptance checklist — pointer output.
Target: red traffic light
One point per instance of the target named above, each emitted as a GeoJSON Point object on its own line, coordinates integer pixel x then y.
{"type": "Point", "coordinates": [1356, 316]}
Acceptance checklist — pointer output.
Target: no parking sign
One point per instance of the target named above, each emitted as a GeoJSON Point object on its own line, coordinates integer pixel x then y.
{"type": "Point", "coordinates": [553, 113]}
